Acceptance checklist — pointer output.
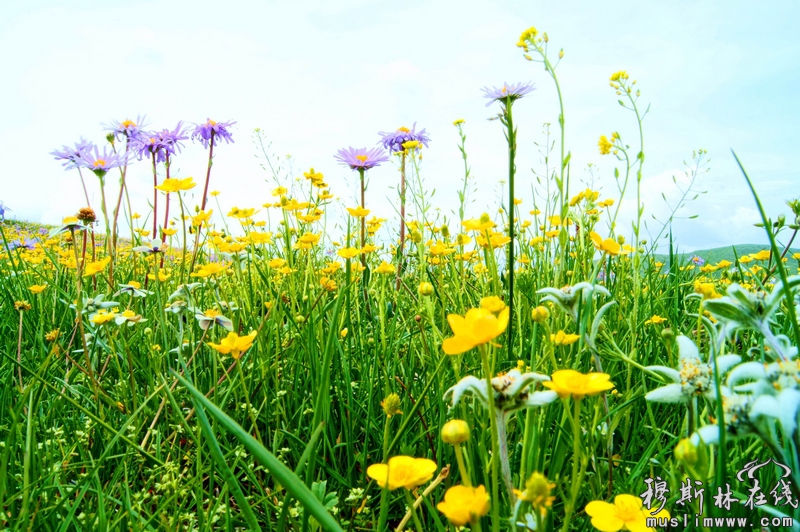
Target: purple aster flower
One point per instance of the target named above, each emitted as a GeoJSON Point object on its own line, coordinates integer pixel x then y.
{"type": "Point", "coordinates": [162, 144]}
{"type": "Point", "coordinates": [698, 260]}
{"type": "Point", "coordinates": [3, 210]}
{"type": "Point", "coordinates": [361, 158]}
{"type": "Point", "coordinates": [127, 128]}
{"type": "Point", "coordinates": [72, 156]}
{"type": "Point", "coordinates": [394, 141]}
{"type": "Point", "coordinates": [507, 92]}
{"type": "Point", "coordinates": [100, 163]}
{"type": "Point", "coordinates": [204, 132]}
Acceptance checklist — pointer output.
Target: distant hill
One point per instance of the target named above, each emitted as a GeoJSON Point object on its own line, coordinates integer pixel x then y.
{"type": "Point", "coordinates": [714, 255]}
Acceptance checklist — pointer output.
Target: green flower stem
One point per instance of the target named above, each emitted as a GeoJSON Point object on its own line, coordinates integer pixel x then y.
{"type": "Point", "coordinates": [575, 480]}
{"type": "Point", "coordinates": [495, 463]}
{"type": "Point", "coordinates": [462, 467]}
{"type": "Point", "coordinates": [511, 136]}
{"type": "Point", "coordinates": [413, 511]}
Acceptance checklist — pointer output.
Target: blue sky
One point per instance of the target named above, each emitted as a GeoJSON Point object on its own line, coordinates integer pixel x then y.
{"type": "Point", "coordinates": [317, 76]}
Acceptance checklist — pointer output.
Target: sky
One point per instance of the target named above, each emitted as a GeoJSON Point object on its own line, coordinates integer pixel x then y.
{"type": "Point", "coordinates": [318, 76]}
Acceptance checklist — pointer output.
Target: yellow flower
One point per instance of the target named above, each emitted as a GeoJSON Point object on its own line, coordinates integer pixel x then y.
{"type": "Point", "coordinates": [402, 472]}
{"type": "Point", "coordinates": [102, 316]}
{"type": "Point", "coordinates": [425, 289]}
{"type": "Point", "coordinates": [344, 332]}
{"type": "Point", "coordinates": [764, 254]}
{"type": "Point", "coordinates": [655, 320]}
{"type": "Point", "coordinates": [626, 513]}
{"type": "Point", "coordinates": [257, 237]}
{"type": "Point", "coordinates": [358, 212]}
{"type": "Point", "coordinates": [215, 193]}
{"type": "Point", "coordinates": [478, 327]}
{"type": "Point", "coordinates": [22, 306]}
{"type": "Point", "coordinates": [391, 405]}
{"type": "Point", "coordinates": [537, 492]}
{"type": "Point", "coordinates": [620, 75]}
{"type": "Point", "coordinates": [568, 382]}
{"type": "Point", "coordinates": [202, 217]}
{"type": "Point", "coordinates": [459, 121]}
{"type": "Point", "coordinates": [161, 276]}
{"type": "Point", "coordinates": [212, 268]}
{"type": "Point", "coordinates": [540, 314]}
{"type": "Point", "coordinates": [385, 268]}
{"type": "Point", "coordinates": [280, 191]}
{"type": "Point", "coordinates": [313, 175]}
{"type": "Point", "coordinates": [307, 241]}
{"type": "Point", "coordinates": [176, 185]}
{"type": "Point", "coordinates": [481, 224]}
{"type": "Point", "coordinates": [37, 288]}
{"type": "Point", "coordinates": [724, 264]}
{"type": "Point", "coordinates": [169, 231]}
{"type": "Point", "coordinates": [94, 268]}
{"type": "Point", "coordinates": [463, 505]}
{"type": "Point", "coordinates": [277, 263]}
{"type": "Point", "coordinates": [349, 253]}
{"type": "Point", "coordinates": [328, 284]}
{"type": "Point", "coordinates": [608, 245]}
{"type": "Point", "coordinates": [492, 304]}
{"type": "Point", "coordinates": [52, 336]}
{"type": "Point", "coordinates": [234, 345]}
{"type": "Point", "coordinates": [707, 290]}
{"type": "Point", "coordinates": [369, 248]}
{"type": "Point", "coordinates": [605, 145]}
{"type": "Point", "coordinates": [562, 338]}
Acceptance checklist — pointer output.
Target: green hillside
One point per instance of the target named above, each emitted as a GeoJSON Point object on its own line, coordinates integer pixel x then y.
{"type": "Point", "coordinates": [728, 253]}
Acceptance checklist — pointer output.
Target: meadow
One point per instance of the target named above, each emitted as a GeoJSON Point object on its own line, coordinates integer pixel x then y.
{"type": "Point", "coordinates": [539, 366]}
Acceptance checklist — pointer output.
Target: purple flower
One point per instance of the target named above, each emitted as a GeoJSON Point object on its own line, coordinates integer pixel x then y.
{"type": "Point", "coordinates": [72, 156]}
{"type": "Point", "coordinates": [127, 128]}
{"type": "Point", "coordinates": [698, 260]}
{"type": "Point", "coordinates": [100, 163]}
{"type": "Point", "coordinates": [3, 210]}
{"type": "Point", "coordinates": [394, 141]}
{"type": "Point", "coordinates": [204, 132]}
{"type": "Point", "coordinates": [361, 158]}
{"type": "Point", "coordinates": [162, 144]}
{"type": "Point", "coordinates": [507, 92]}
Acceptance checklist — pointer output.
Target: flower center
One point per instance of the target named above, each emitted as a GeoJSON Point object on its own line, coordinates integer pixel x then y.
{"type": "Point", "coordinates": [211, 122]}
{"type": "Point", "coordinates": [627, 512]}
{"type": "Point", "coordinates": [403, 129]}
{"type": "Point", "coordinates": [504, 89]}
{"type": "Point", "coordinates": [128, 124]}
{"type": "Point", "coordinates": [695, 377]}
{"type": "Point", "coordinates": [362, 158]}
{"type": "Point", "coordinates": [99, 163]}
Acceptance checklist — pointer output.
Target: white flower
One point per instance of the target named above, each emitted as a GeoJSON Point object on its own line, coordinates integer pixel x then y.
{"type": "Point", "coordinates": [569, 297]}
{"type": "Point", "coordinates": [511, 391]}
{"type": "Point", "coordinates": [692, 378]}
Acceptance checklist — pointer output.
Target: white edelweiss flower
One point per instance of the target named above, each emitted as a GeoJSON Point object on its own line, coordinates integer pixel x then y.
{"type": "Point", "coordinates": [568, 297]}
{"type": "Point", "coordinates": [511, 391]}
{"type": "Point", "coordinates": [692, 378]}
{"type": "Point", "coordinates": [773, 388]}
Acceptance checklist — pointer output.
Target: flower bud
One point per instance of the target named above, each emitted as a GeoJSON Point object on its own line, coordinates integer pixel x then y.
{"type": "Point", "coordinates": [455, 431]}
{"type": "Point", "coordinates": [299, 319]}
{"type": "Point", "coordinates": [425, 289]}
{"type": "Point", "coordinates": [391, 405]}
{"type": "Point", "coordinates": [540, 314]}
{"type": "Point", "coordinates": [667, 335]}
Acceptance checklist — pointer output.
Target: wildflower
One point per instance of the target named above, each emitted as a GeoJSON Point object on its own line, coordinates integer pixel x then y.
{"type": "Point", "coordinates": [455, 431]}
{"type": "Point", "coordinates": [159, 145]}
{"type": "Point", "coordinates": [425, 289]}
{"type": "Point", "coordinates": [477, 327]}
{"type": "Point", "coordinates": [570, 383]}
{"type": "Point", "coordinates": [655, 320]}
{"type": "Point", "coordinates": [343, 333]}
{"type": "Point", "coordinates": [507, 93]}
{"type": "Point", "coordinates": [280, 191]}
{"type": "Point", "coordinates": [133, 288]}
{"type": "Point", "coordinates": [202, 217]}
{"type": "Point", "coordinates": [402, 472]}
{"type": "Point", "coordinates": [569, 297]}
{"type": "Point", "coordinates": [609, 245]}
{"type": "Point", "coordinates": [37, 288]}
{"type": "Point", "coordinates": [482, 224]}
{"type": "Point", "coordinates": [706, 290]}
{"type": "Point", "coordinates": [692, 378]}
{"type": "Point", "coordinates": [458, 122]}
{"type": "Point", "coordinates": [94, 268]}
{"type": "Point", "coordinates": [620, 75]}
{"type": "Point", "coordinates": [102, 317]}
{"type": "Point", "coordinates": [126, 129]}
{"type": "Point", "coordinates": [361, 158]}
{"type": "Point", "coordinates": [307, 240]}
{"type": "Point", "coordinates": [210, 269]}
{"type": "Point", "coordinates": [72, 157]}
{"type": "Point", "coordinates": [328, 284]}
{"type": "Point", "coordinates": [162, 277]}
{"type": "Point", "coordinates": [385, 268]}
{"type": "Point", "coordinates": [358, 212]}
{"type": "Point", "coordinates": [234, 345]}
{"type": "Point", "coordinates": [511, 391]}
{"type": "Point", "coordinates": [349, 253]}
{"type": "Point", "coordinates": [129, 317]}
{"type": "Point", "coordinates": [176, 185]}
{"type": "Point", "coordinates": [86, 215]}
{"type": "Point", "coordinates": [764, 254]}
{"type": "Point", "coordinates": [538, 491]}
{"type": "Point", "coordinates": [562, 338]}
{"type": "Point", "coordinates": [156, 246]}
{"type": "Point", "coordinates": [391, 405]}
{"type": "Point", "coordinates": [464, 505]}
{"type": "Point", "coordinates": [493, 304]}
{"type": "Point", "coordinates": [52, 336]}
{"type": "Point", "coordinates": [22, 306]}
{"type": "Point", "coordinates": [212, 317]}
{"type": "Point", "coordinates": [686, 452]}
{"type": "Point", "coordinates": [395, 141]}
{"type": "Point", "coordinates": [627, 513]}
{"type": "Point", "coordinates": [101, 163]}
{"type": "Point", "coordinates": [206, 132]}
{"type": "Point", "coordinates": [605, 145]}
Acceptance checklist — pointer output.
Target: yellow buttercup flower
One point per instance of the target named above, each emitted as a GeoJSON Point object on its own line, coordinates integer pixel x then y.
{"type": "Point", "coordinates": [102, 316]}
{"type": "Point", "coordinates": [385, 268]}
{"type": "Point", "coordinates": [455, 431]}
{"type": "Point", "coordinates": [562, 338]}
{"type": "Point", "coordinates": [481, 224]}
{"type": "Point", "coordinates": [349, 253]}
{"type": "Point", "coordinates": [478, 327]}
{"type": "Point", "coordinates": [234, 345]}
{"type": "Point", "coordinates": [176, 185]}
{"type": "Point", "coordinates": [570, 383]}
{"type": "Point", "coordinates": [538, 491]}
{"type": "Point", "coordinates": [707, 290]}
{"type": "Point", "coordinates": [764, 254]}
{"type": "Point", "coordinates": [93, 268]}
{"type": "Point", "coordinates": [402, 472]}
{"type": "Point", "coordinates": [608, 245]}
{"type": "Point", "coordinates": [358, 212]}
{"type": "Point", "coordinates": [212, 268]}
{"type": "Point", "coordinates": [37, 288]}
{"type": "Point", "coordinates": [655, 320]}
{"type": "Point", "coordinates": [492, 304]}
{"type": "Point", "coordinates": [463, 505]}
{"type": "Point", "coordinates": [627, 513]}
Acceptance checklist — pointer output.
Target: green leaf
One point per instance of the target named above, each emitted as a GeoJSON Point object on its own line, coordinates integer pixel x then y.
{"type": "Point", "coordinates": [282, 474]}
